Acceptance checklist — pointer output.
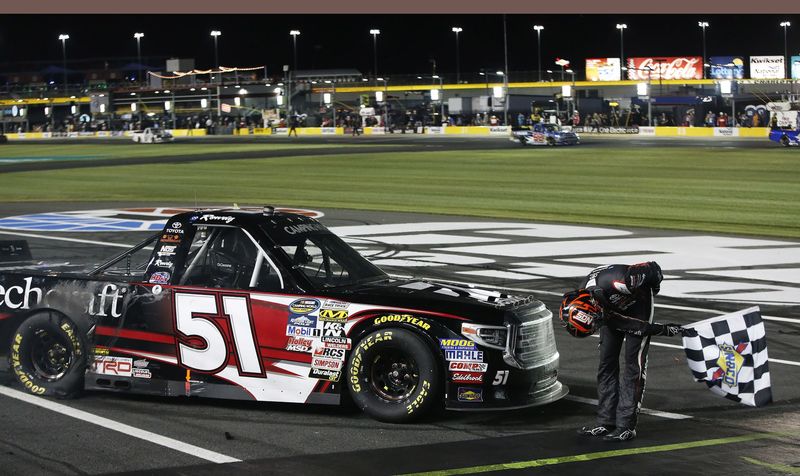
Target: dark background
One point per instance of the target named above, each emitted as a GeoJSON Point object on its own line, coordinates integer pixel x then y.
{"type": "Point", "coordinates": [406, 45]}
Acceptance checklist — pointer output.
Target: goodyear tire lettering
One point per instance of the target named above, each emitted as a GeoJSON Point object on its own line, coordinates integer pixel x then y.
{"type": "Point", "coordinates": [70, 382]}
{"type": "Point", "coordinates": [420, 398]}
{"type": "Point", "coordinates": [380, 348]}
{"type": "Point", "coordinates": [355, 366]}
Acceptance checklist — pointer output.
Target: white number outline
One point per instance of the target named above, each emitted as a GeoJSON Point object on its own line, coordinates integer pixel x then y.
{"type": "Point", "coordinates": [501, 377]}
{"type": "Point", "coordinates": [191, 318]}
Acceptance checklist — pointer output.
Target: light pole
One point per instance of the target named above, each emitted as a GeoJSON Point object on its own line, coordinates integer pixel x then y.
{"type": "Point", "coordinates": [216, 34]}
{"type": "Point", "coordinates": [64, 38]}
{"type": "Point", "coordinates": [622, 27]}
{"type": "Point", "coordinates": [505, 71]}
{"type": "Point", "coordinates": [785, 25]}
{"type": "Point", "coordinates": [539, 29]}
{"type": "Point", "coordinates": [138, 37]}
{"type": "Point", "coordinates": [703, 25]}
{"type": "Point", "coordinates": [294, 34]}
{"type": "Point", "coordinates": [458, 30]}
{"type": "Point", "coordinates": [375, 32]}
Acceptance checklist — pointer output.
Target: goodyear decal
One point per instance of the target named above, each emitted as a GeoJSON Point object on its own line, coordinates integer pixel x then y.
{"type": "Point", "coordinates": [457, 344]}
{"type": "Point", "coordinates": [402, 318]}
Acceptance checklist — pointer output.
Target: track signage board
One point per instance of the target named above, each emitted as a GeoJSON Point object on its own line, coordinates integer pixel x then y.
{"type": "Point", "coordinates": [665, 67]}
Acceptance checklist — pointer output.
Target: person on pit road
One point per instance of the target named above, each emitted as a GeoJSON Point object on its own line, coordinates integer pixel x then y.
{"type": "Point", "coordinates": [618, 299]}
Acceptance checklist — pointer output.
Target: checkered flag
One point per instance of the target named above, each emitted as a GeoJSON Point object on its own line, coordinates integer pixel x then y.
{"type": "Point", "coordinates": [729, 354]}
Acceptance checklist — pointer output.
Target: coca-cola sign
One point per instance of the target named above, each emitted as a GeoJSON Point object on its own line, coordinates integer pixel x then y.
{"type": "Point", "coordinates": [669, 67]}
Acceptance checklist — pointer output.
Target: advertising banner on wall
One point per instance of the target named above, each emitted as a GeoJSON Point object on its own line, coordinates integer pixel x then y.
{"type": "Point", "coordinates": [603, 69]}
{"type": "Point", "coordinates": [665, 67]}
{"type": "Point", "coordinates": [726, 67]}
{"type": "Point", "coordinates": [795, 67]}
{"type": "Point", "coordinates": [767, 67]}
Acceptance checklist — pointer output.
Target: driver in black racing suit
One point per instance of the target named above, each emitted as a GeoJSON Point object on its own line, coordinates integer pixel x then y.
{"type": "Point", "coordinates": [623, 295]}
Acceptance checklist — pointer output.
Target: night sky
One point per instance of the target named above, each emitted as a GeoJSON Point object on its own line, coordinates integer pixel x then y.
{"type": "Point", "coordinates": [406, 45]}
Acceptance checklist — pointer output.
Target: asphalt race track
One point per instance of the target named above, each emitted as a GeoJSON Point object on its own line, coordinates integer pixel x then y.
{"type": "Point", "coordinates": [684, 428]}
{"type": "Point", "coordinates": [362, 145]}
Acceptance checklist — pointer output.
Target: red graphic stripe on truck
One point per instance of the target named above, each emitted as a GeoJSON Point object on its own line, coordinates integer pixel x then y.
{"type": "Point", "coordinates": [135, 335]}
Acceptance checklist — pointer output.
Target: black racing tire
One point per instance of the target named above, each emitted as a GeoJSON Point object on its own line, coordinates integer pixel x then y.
{"type": "Point", "coordinates": [48, 355]}
{"type": "Point", "coordinates": [551, 141]}
{"type": "Point", "coordinates": [394, 376]}
{"type": "Point", "coordinates": [522, 140]}
{"type": "Point", "coordinates": [785, 141]}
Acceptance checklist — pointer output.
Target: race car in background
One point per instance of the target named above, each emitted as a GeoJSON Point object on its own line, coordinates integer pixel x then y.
{"type": "Point", "coordinates": [785, 137]}
{"type": "Point", "coordinates": [544, 134]}
{"type": "Point", "coordinates": [151, 136]}
{"type": "Point", "coordinates": [255, 304]}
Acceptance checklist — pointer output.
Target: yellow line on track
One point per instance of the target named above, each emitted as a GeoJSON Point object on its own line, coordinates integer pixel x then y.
{"type": "Point", "coordinates": [601, 455]}
{"type": "Point", "coordinates": [781, 468]}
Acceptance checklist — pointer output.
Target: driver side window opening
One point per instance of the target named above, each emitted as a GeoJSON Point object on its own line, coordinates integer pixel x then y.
{"type": "Point", "coordinates": [228, 257]}
{"type": "Point", "coordinates": [316, 263]}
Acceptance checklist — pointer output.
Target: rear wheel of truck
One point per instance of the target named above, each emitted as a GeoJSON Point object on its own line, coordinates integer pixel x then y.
{"type": "Point", "coordinates": [48, 355]}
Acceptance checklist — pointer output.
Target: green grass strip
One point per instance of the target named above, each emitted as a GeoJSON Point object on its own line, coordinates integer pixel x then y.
{"type": "Point", "coordinates": [599, 455]}
{"type": "Point", "coordinates": [742, 191]}
{"type": "Point", "coordinates": [127, 149]}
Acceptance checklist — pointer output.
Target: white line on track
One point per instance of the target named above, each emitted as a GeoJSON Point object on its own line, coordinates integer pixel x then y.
{"type": "Point", "coordinates": [155, 438]}
{"type": "Point", "coordinates": [647, 411]}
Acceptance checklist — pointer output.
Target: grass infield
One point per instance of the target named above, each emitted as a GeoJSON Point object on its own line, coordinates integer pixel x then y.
{"type": "Point", "coordinates": [692, 188]}
{"type": "Point", "coordinates": [11, 153]}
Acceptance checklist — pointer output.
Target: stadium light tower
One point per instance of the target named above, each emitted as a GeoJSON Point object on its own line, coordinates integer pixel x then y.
{"type": "Point", "coordinates": [539, 29]}
{"type": "Point", "coordinates": [785, 25]}
{"type": "Point", "coordinates": [704, 25]}
{"type": "Point", "coordinates": [64, 37]}
{"type": "Point", "coordinates": [294, 34]}
{"type": "Point", "coordinates": [375, 32]}
{"type": "Point", "coordinates": [622, 27]}
{"type": "Point", "coordinates": [138, 37]}
{"type": "Point", "coordinates": [216, 34]}
{"type": "Point", "coordinates": [458, 30]}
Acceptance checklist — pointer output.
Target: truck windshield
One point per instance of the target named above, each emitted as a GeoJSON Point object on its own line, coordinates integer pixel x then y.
{"type": "Point", "coordinates": [322, 257]}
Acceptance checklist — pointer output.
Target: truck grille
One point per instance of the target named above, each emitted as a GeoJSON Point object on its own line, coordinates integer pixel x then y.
{"type": "Point", "coordinates": [534, 343]}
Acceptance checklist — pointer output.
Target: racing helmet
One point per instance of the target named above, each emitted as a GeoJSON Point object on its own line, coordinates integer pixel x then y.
{"type": "Point", "coordinates": [580, 315]}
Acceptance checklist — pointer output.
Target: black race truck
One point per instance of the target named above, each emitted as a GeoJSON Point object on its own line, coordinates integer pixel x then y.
{"type": "Point", "coordinates": [261, 305]}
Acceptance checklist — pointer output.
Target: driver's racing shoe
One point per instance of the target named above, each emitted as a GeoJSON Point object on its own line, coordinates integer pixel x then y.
{"type": "Point", "coordinates": [595, 430]}
{"type": "Point", "coordinates": [621, 434]}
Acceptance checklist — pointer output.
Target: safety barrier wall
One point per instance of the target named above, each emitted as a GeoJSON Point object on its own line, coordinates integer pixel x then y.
{"type": "Point", "coordinates": [97, 134]}
{"type": "Point", "coordinates": [758, 132]}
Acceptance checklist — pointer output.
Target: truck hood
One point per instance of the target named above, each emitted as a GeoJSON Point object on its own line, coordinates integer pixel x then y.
{"type": "Point", "coordinates": [478, 305]}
